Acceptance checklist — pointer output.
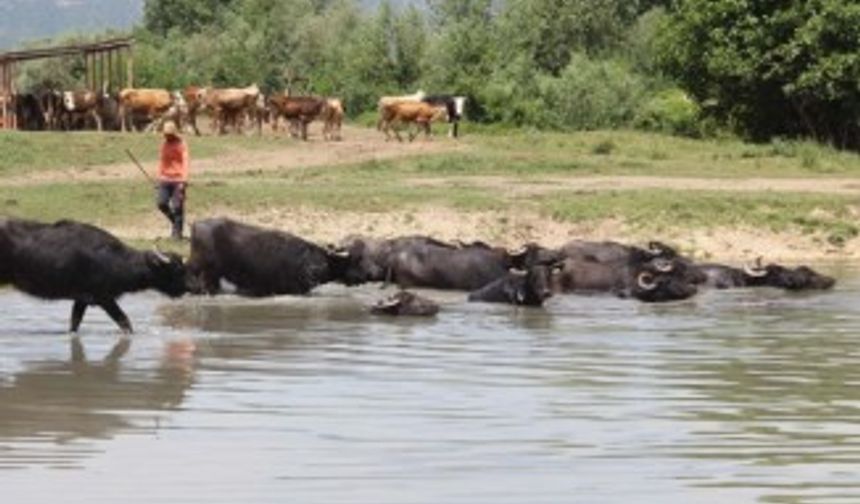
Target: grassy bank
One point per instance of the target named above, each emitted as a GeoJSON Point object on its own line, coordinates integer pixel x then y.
{"type": "Point", "coordinates": [488, 177]}
{"type": "Point", "coordinates": [27, 152]}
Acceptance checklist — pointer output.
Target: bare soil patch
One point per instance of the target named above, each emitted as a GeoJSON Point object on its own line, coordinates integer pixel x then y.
{"type": "Point", "coordinates": [514, 228]}
{"type": "Point", "coordinates": [545, 185]}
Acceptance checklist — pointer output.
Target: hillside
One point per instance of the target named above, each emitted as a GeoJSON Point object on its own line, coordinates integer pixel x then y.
{"type": "Point", "coordinates": [22, 20]}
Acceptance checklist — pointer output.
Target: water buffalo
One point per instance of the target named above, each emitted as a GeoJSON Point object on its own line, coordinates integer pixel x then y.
{"type": "Point", "coordinates": [405, 303]}
{"type": "Point", "coordinates": [654, 280]}
{"type": "Point", "coordinates": [420, 261]}
{"type": "Point", "coordinates": [773, 275]}
{"type": "Point", "coordinates": [80, 262]}
{"type": "Point", "coordinates": [263, 262]}
{"type": "Point", "coordinates": [610, 251]}
{"type": "Point", "coordinates": [529, 288]}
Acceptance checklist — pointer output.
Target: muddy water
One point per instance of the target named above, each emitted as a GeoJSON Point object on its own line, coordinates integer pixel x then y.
{"type": "Point", "coordinates": [749, 396]}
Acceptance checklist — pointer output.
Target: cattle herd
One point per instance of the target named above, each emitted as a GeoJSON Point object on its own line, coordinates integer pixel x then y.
{"type": "Point", "coordinates": [90, 267]}
{"type": "Point", "coordinates": [233, 109]}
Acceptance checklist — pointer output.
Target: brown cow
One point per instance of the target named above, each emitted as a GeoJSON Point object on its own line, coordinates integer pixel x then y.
{"type": "Point", "coordinates": [332, 117]}
{"type": "Point", "coordinates": [229, 105]}
{"type": "Point", "coordinates": [149, 103]}
{"type": "Point", "coordinates": [77, 104]}
{"type": "Point", "coordinates": [194, 102]}
{"type": "Point", "coordinates": [299, 111]}
{"type": "Point", "coordinates": [419, 113]}
{"type": "Point", "coordinates": [390, 100]}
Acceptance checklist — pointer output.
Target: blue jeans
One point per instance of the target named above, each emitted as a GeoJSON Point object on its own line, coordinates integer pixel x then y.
{"type": "Point", "coordinates": [171, 202]}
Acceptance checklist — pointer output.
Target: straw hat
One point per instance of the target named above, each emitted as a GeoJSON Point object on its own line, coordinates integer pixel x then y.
{"type": "Point", "coordinates": [170, 129]}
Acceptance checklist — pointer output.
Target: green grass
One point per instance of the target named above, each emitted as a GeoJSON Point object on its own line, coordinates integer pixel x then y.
{"type": "Point", "coordinates": [28, 152]}
{"type": "Point", "coordinates": [396, 185]}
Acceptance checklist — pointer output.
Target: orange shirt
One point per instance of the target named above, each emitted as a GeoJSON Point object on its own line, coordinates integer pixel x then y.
{"type": "Point", "coordinates": [173, 166]}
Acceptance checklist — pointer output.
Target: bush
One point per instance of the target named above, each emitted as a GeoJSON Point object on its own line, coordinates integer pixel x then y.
{"type": "Point", "coordinates": [671, 111]}
{"type": "Point", "coordinates": [591, 94]}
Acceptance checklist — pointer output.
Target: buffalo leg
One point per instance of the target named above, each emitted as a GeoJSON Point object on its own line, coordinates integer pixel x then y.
{"type": "Point", "coordinates": [78, 310]}
{"type": "Point", "coordinates": [117, 315]}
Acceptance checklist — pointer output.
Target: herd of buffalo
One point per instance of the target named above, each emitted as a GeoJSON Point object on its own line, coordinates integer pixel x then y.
{"type": "Point", "coordinates": [89, 266]}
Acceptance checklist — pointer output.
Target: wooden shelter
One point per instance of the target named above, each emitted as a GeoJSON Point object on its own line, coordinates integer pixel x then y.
{"type": "Point", "coordinates": [104, 69]}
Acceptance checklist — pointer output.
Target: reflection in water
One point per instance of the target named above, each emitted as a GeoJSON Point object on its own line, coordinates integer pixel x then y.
{"type": "Point", "coordinates": [746, 396]}
{"type": "Point", "coordinates": [57, 403]}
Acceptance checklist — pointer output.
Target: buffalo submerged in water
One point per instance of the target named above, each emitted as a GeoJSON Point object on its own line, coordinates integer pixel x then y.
{"type": "Point", "coordinates": [721, 276]}
{"type": "Point", "coordinates": [264, 262]}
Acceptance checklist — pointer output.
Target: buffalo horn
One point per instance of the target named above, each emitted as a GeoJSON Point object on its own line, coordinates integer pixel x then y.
{"type": "Point", "coordinates": [646, 281]}
{"type": "Point", "coordinates": [663, 266]}
{"type": "Point", "coordinates": [161, 255]}
{"type": "Point", "coordinates": [338, 251]}
{"type": "Point", "coordinates": [655, 248]}
{"type": "Point", "coordinates": [518, 252]}
{"type": "Point", "coordinates": [755, 270]}
{"type": "Point", "coordinates": [389, 303]}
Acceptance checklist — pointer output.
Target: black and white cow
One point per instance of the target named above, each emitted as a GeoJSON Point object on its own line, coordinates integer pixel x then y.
{"type": "Point", "coordinates": [455, 106]}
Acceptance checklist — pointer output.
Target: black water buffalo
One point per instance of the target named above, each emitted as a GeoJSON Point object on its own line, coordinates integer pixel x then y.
{"type": "Point", "coordinates": [656, 280]}
{"type": "Point", "coordinates": [263, 262]}
{"type": "Point", "coordinates": [529, 288]}
{"type": "Point", "coordinates": [419, 261]}
{"type": "Point", "coordinates": [773, 275]}
{"type": "Point", "coordinates": [80, 262]}
{"type": "Point", "coordinates": [405, 303]}
{"type": "Point", "coordinates": [610, 251]}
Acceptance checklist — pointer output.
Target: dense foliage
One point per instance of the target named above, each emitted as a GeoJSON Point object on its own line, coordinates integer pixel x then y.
{"type": "Point", "coordinates": [771, 68]}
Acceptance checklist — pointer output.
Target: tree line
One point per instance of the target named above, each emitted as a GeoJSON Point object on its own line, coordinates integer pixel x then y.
{"type": "Point", "coordinates": [695, 67]}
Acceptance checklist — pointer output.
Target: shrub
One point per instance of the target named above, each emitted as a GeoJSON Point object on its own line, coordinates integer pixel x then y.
{"type": "Point", "coordinates": [671, 111]}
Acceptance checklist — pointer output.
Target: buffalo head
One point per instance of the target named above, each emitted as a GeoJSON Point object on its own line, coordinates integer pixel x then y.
{"type": "Point", "coordinates": [346, 267]}
{"type": "Point", "coordinates": [367, 256]}
{"type": "Point", "coordinates": [405, 303]}
{"type": "Point", "coordinates": [532, 254]}
{"type": "Point", "coordinates": [167, 273]}
{"type": "Point", "coordinates": [654, 286]}
{"type": "Point", "coordinates": [537, 285]}
{"type": "Point", "coordinates": [775, 275]}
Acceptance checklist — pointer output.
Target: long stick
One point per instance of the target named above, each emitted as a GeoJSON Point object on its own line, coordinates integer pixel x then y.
{"type": "Point", "coordinates": [139, 166]}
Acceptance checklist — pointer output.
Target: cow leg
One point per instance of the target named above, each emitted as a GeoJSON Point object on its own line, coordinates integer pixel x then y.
{"type": "Point", "coordinates": [305, 130]}
{"type": "Point", "coordinates": [117, 315]}
{"type": "Point", "coordinates": [79, 308]}
{"type": "Point", "coordinates": [98, 118]}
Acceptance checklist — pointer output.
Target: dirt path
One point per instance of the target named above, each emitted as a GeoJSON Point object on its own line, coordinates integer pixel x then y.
{"type": "Point", "coordinates": [359, 145]}
{"type": "Point", "coordinates": [544, 185]}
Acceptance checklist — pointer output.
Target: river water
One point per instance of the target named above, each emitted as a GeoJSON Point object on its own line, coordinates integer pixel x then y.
{"type": "Point", "coordinates": [732, 397]}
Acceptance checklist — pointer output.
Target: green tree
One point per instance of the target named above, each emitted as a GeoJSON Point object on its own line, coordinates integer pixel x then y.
{"type": "Point", "coordinates": [188, 16]}
{"type": "Point", "coordinates": [771, 68]}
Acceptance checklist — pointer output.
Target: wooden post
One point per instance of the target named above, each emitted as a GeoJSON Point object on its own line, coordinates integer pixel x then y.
{"type": "Point", "coordinates": [110, 69]}
{"type": "Point", "coordinates": [3, 94]}
{"type": "Point", "coordinates": [101, 71]}
{"type": "Point", "coordinates": [89, 70]}
{"type": "Point", "coordinates": [12, 92]}
{"type": "Point", "coordinates": [129, 65]}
